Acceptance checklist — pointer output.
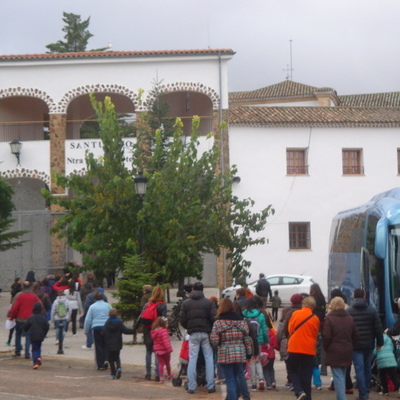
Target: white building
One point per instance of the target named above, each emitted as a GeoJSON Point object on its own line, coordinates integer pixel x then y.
{"type": "Point", "coordinates": [307, 151]}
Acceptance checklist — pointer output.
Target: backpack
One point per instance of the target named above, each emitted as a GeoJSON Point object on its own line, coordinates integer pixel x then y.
{"type": "Point", "coordinates": [149, 314]}
{"type": "Point", "coordinates": [254, 331]}
{"type": "Point", "coordinates": [61, 310]}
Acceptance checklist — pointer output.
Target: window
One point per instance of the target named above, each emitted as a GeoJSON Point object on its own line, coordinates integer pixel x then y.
{"type": "Point", "coordinates": [296, 161]}
{"type": "Point", "coordinates": [352, 162]}
{"type": "Point", "coordinates": [398, 161]}
{"type": "Point", "coordinates": [299, 235]}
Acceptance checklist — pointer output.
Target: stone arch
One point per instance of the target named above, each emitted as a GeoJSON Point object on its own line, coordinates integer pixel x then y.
{"type": "Point", "coordinates": [27, 173]}
{"type": "Point", "coordinates": [189, 87]}
{"type": "Point", "coordinates": [97, 88]}
{"type": "Point", "coordinates": [28, 92]}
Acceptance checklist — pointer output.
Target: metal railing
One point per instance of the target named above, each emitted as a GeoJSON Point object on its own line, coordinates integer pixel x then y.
{"type": "Point", "coordinates": [354, 170]}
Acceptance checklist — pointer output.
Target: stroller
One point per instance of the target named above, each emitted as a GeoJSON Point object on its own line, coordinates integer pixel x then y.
{"type": "Point", "coordinates": [184, 361]}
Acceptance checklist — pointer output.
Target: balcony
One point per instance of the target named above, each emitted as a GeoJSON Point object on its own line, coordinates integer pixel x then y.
{"type": "Point", "coordinates": [353, 170]}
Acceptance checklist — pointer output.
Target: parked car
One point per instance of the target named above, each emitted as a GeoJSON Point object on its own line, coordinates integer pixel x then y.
{"type": "Point", "coordinates": [287, 285]}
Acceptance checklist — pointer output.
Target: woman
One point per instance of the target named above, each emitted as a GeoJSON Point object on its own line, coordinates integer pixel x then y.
{"type": "Point", "coordinates": [231, 334]}
{"type": "Point", "coordinates": [157, 296]}
{"type": "Point", "coordinates": [75, 303]}
{"type": "Point", "coordinates": [339, 335]}
{"type": "Point", "coordinates": [303, 330]}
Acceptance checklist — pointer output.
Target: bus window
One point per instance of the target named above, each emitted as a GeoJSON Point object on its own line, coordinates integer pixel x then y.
{"type": "Point", "coordinates": [394, 256]}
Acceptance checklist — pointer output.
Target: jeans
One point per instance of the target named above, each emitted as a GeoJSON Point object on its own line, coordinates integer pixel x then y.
{"type": "Point", "coordinates": [362, 365]}
{"type": "Point", "coordinates": [269, 373]}
{"type": "Point", "coordinates": [242, 383]}
{"type": "Point", "coordinates": [231, 373]}
{"type": "Point", "coordinates": [300, 371]}
{"type": "Point", "coordinates": [256, 371]}
{"type": "Point", "coordinates": [89, 339]}
{"type": "Point", "coordinates": [114, 360]}
{"type": "Point", "coordinates": [36, 351]}
{"type": "Point", "coordinates": [18, 335]}
{"type": "Point", "coordinates": [199, 340]}
{"type": "Point", "coordinates": [60, 327]}
{"type": "Point", "coordinates": [339, 378]}
{"type": "Point", "coordinates": [316, 374]}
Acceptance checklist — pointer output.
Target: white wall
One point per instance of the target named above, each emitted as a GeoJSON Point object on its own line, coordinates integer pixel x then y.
{"type": "Point", "coordinates": [260, 155]}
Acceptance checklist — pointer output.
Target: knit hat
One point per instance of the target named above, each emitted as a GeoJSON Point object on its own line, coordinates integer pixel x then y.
{"type": "Point", "coordinates": [296, 299]}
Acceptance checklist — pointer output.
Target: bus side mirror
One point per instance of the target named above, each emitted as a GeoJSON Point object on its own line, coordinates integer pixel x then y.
{"type": "Point", "coordinates": [381, 238]}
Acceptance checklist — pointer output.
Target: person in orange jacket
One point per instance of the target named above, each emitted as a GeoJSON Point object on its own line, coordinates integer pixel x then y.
{"type": "Point", "coordinates": [303, 333]}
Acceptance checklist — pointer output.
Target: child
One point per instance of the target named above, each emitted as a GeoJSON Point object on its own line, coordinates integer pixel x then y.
{"type": "Point", "coordinates": [162, 346]}
{"type": "Point", "coordinates": [276, 303]}
{"type": "Point", "coordinates": [112, 336]}
{"type": "Point", "coordinates": [269, 348]}
{"type": "Point", "coordinates": [387, 364]}
{"type": "Point", "coordinates": [60, 312]}
{"type": "Point", "coordinates": [38, 326]}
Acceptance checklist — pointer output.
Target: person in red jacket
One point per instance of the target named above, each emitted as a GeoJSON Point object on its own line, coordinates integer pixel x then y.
{"type": "Point", "coordinates": [162, 346]}
{"type": "Point", "coordinates": [21, 310]}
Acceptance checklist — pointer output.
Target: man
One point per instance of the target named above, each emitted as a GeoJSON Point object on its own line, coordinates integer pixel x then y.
{"type": "Point", "coordinates": [197, 316]}
{"type": "Point", "coordinates": [263, 289]}
{"type": "Point", "coordinates": [369, 329]}
{"type": "Point", "coordinates": [21, 310]}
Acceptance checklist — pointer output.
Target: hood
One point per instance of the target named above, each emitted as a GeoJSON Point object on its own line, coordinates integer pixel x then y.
{"type": "Point", "coordinates": [196, 295]}
{"type": "Point", "coordinates": [37, 308]}
{"type": "Point", "coordinates": [230, 315]}
{"type": "Point", "coordinates": [360, 304]}
{"type": "Point", "coordinates": [113, 324]}
{"type": "Point", "coordinates": [251, 313]}
{"type": "Point", "coordinates": [227, 324]}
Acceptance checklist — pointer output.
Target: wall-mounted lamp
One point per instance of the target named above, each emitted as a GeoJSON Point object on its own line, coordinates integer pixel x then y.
{"type": "Point", "coordinates": [236, 179]}
{"type": "Point", "coordinates": [16, 149]}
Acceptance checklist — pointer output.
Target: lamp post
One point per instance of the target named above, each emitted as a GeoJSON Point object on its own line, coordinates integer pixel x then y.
{"type": "Point", "coordinates": [16, 149]}
{"type": "Point", "coordinates": [140, 189]}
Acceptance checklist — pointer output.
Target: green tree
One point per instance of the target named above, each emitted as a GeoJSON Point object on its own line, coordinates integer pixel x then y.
{"type": "Point", "coordinates": [8, 239]}
{"type": "Point", "coordinates": [189, 209]}
{"type": "Point", "coordinates": [76, 35]}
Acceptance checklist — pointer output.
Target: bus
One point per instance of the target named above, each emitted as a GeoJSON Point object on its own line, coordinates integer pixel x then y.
{"type": "Point", "coordinates": [364, 252]}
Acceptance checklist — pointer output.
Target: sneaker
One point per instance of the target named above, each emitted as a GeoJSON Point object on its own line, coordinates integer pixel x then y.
{"type": "Point", "coordinates": [318, 387]}
{"type": "Point", "coordinates": [84, 347]}
{"type": "Point", "coordinates": [261, 385]}
{"type": "Point", "coordinates": [301, 396]}
{"type": "Point", "coordinates": [330, 387]}
{"type": "Point", "coordinates": [8, 343]}
{"type": "Point", "coordinates": [190, 391]}
{"type": "Point", "coordinates": [169, 377]}
{"type": "Point", "coordinates": [161, 380]}
{"type": "Point", "coordinates": [254, 388]}
{"type": "Point", "coordinates": [60, 352]}
{"type": "Point", "coordinates": [384, 394]}
{"type": "Point", "coordinates": [39, 361]}
{"type": "Point", "coordinates": [112, 376]}
{"type": "Point", "coordinates": [273, 385]}
{"type": "Point", "coordinates": [349, 391]}
{"type": "Point", "coordinates": [157, 378]}
{"type": "Point", "coordinates": [118, 374]}
{"type": "Point", "coordinates": [147, 377]}
{"type": "Point", "coordinates": [212, 390]}
{"type": "Point", "coordinates": [269, 387]}
{"type": "Point", "coordinates": [36, 366]}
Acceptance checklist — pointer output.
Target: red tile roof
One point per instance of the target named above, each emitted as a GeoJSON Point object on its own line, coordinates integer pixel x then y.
{"type": "Point", "coordinates": [314, 116]}
{"type": "Point", "coordinates": [116, 54]}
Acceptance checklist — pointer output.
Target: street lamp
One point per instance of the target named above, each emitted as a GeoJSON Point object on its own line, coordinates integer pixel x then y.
{"type": "Point", "coordinates": [140, 189]}
{"type": "Point", "coordinates": [16, 149]}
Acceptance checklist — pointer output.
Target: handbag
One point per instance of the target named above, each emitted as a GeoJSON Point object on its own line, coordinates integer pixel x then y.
{"type": "Point", "coordinates": [10, 323]}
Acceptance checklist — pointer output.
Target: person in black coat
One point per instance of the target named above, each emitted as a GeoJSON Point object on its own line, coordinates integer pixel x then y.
{"type": "Point", "coordinates": [38, 326]}
{"type": "Point", "coordinates": [112, 337]}
{"type": "Point", "coordinates": [263, 289]}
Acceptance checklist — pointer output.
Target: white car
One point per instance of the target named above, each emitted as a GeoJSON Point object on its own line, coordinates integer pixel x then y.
{"type": "Point", "coordinates": [286, 285]}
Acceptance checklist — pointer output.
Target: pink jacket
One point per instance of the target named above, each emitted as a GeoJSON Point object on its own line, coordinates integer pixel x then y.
{"type": "Point", "coordinates": [161, 341]}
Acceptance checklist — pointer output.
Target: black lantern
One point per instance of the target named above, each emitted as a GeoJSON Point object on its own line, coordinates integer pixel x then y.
{"type": "Point", "coordinates": [16, 149]}
{"type": "Point", "coordinates": [140, 184]}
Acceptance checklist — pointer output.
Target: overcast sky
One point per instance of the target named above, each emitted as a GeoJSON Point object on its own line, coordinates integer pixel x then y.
{"type": "Point", "coordinates": [349, 45]}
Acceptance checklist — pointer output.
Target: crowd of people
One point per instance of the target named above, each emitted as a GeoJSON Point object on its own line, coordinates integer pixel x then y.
{"type": "Point", "coordinates": [238, 340]}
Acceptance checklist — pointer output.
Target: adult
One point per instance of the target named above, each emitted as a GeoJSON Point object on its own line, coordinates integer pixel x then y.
{"type": "Point", "coordinates": [21, 310]}
{"type": "Point", "coordinates": [30, 277]}
{"type": "Point", "coordinates": [75, 304]}
{"type": "Point", "coordinates": [197, 317]}
{"type": "Point", "coordinates": [303, 330]}
{"type": "Point", "coordinates": [157, 298]}
{"type": "Point", "coordinates": [230, 334]}
{"type": "Point", "coordinates": [339, 335]}
{"type": "Point", "coordinates": [395, 329]}
{"type": "Point", "coordinates": [61, 284]}
{"type": "Point", "coordinates": [95, 320]}
{"type": "Point", "coordinates": [320, 302]}
{"type": "Point", "coordinates": [263, 289]}
{"type": "Point", "coordinates": [147, 289]}
{"type": "Point", "coordinates": [370, 329]}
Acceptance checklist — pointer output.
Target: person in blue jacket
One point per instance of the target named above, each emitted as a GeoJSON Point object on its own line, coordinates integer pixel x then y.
{"type": "Point", "coordinates": [387, 364]}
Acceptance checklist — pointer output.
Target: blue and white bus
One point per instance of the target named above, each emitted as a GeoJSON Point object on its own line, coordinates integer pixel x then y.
{"type": "Point", "coordinates": [364, 252]}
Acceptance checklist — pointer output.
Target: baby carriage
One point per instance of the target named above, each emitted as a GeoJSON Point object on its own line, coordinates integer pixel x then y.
{"type": "Point", "coordinates": [184, 361]}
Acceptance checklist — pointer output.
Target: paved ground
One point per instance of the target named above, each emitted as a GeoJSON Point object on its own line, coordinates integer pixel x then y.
{"type": "Point", "coordinates": [74, 375]}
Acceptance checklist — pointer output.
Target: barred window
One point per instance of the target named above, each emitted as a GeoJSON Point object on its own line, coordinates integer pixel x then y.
{"type": "Point", "coordinates": [352, 162]}
{"type": "Point", "coordinates": [299, 235]}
